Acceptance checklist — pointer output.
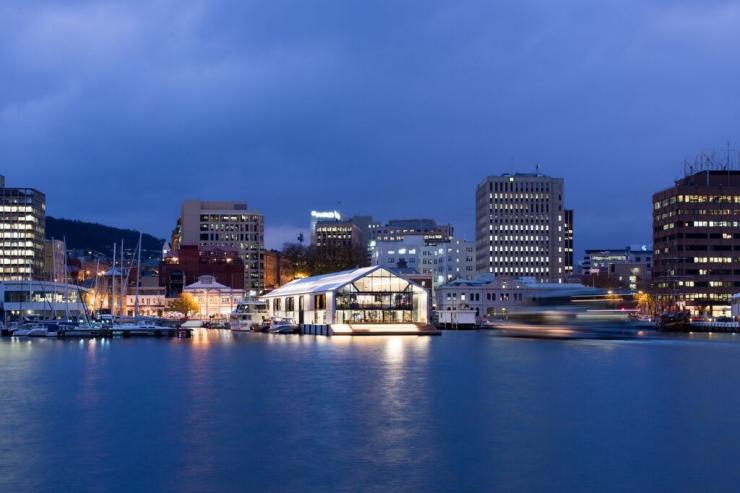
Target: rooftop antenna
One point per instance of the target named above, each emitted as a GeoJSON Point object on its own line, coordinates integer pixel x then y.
{"type": "Point", "coordinates": [537, 169]}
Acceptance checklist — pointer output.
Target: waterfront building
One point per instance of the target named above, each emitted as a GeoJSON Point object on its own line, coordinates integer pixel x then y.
{"type": "Point", "coordinates": [425, 281]}
{"type": "Point", "coordinates": [40, 300]}
{"type": "Point", "coordinates": [443, 260]}
{"type": "Point", "coordinates": [278, 269]}
{"type": "Point", "coordinates": [360, 301]}
{"type": "Point", "coordinates": [22, 230]}
{"type": "Point", "coordinates": [216, 300]}
{"type": "Point", "coordinates": [696, 238]}
{"type": "Point", "coordinates": [630, 267]}
{"type": "Point", "coordinates": [152, 298]}
{"type": "Point", "coordinates": [190, 262]}
{"type": "Point", "coordinates": [225, 225]}
{"type": "Point", "coordinates": [520, 226]}
{"type": "Point", "coordinates": [491, 296]}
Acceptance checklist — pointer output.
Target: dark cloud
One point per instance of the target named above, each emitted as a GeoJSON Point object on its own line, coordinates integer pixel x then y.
{"type": "Point", "coordinates": [120, 110]}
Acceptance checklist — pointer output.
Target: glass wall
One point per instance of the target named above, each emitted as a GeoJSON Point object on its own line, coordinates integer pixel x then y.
{"type": "Point", "coordinates": [379, 297]}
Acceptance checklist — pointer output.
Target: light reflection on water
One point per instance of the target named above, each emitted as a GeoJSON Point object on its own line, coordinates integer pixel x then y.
{"type": "Point", "coordinates": [460, 412]}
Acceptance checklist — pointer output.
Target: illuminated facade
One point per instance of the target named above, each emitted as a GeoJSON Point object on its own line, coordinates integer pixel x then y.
{"type": "Point", "coordinates": [322, 216]}
{"type": "Point", "coordinates": [696, 241]}
{"type": "Point", "coordinates": [398, 229]}
{"type": "Point", "coordinates": [443, 261]}
{"type": "Point", "coordinates": [569, 239]}
{"type": "Point", "coordinates": [22, 228]}
{"type": "Point", "coordinates": [152, 301]}
{"type": "Point", "coordinates": [369, 297]}
{"type": "Point", "coordinates": [226, 225]}
{"type": "Point", "coordinates": [40, 300]}
{"type": "Point", "coordinates": [489, 296]}
{"type": "Point", "coordinates": [630, 267]}
{"type": "Point", "coordinates": [520, 227]}
{"type": "Point", "coordinates": [338, 233]}
{"type": "Point", "coordinates": [216, 301]}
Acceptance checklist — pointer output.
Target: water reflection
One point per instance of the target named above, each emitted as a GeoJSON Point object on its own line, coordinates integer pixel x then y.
{"type": "Point", "coordinates": [460, 412]}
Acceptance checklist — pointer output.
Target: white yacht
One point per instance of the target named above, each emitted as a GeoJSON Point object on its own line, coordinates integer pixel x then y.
{"type": "Point", "coordinates": [22, 331]}
{"type": "Point", "coordinates": [248, 316]}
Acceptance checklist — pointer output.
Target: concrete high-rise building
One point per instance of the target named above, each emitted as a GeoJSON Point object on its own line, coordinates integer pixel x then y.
{"type": "Point", "coordinates": [397, 229]}
{"type": "Point", "coordinates": [328, 229]}
{"type": "Point", "coordinates": [226, 225]}
{"type": "Point", "coordinates": [322, 216]}
{"type": "Point", "coordinates": [520, 227]}
{"type": "Point", "coordinates": [569, 234]}
{"type": "Point", "coordinates": [22, 230]}
{"type": "Point", "coordinates": [696, 242]}
{"type": "Point", "coordinates": [443, 261]}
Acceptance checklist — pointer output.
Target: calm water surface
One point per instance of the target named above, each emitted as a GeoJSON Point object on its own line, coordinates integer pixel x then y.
{"type": "Point", "coordinates": [462, 412]}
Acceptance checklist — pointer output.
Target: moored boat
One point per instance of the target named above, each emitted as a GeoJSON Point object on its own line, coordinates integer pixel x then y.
{"type": "Point", "coordinates": [248, 316]}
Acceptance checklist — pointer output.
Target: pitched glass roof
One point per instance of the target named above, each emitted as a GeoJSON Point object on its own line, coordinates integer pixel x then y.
{"type": "Point", "coordinates": [322, 283]}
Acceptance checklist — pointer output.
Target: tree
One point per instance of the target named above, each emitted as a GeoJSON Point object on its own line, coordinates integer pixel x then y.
{"type": "Point", "coordinates": [401, 264]}
{"type": "Point", "coordinates": [315, 260]}
{"type": "Point", "coordinates": [297, 255]}
{"type": "Point", "coordinates": [646, 303]}
{"type": "Point", "coordinates": [185, 304]}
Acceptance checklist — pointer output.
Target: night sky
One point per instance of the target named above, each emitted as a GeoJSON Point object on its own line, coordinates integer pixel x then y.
{"type": "Point", "coordinates": [120, 110]}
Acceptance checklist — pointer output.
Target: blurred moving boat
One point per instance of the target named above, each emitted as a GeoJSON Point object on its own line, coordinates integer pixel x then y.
{"type": "Point", "coordinates": [567, 325]}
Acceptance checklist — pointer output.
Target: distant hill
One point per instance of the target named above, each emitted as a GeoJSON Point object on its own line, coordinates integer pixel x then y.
{"type": "Point", "coordinates": [93, 236]}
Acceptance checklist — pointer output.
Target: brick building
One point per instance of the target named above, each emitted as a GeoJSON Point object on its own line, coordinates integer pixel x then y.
{"type": "Point", "coordinates": [278, 269]}
{"type": "Point", "coordinates": [190, 262]}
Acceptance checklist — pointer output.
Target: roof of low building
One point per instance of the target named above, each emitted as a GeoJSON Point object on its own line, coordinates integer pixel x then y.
{"type": "Point", "coordinates": [322, 283]}
{"type": "Point", "coordinates": [207, 282]}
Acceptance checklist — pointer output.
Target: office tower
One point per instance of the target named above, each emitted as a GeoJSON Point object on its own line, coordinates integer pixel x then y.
{"type": "Point", "coordinates": [520, 226]}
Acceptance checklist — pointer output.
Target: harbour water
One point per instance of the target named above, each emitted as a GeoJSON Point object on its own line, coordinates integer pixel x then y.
{"type": "Point", "coordinates": [464, 412]}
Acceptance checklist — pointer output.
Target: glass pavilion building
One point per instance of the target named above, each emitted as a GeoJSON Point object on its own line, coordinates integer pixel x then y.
{"type": "Point", "coordinates": [370, 300]}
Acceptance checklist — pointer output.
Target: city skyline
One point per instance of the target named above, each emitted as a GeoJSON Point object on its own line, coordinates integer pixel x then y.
{"type": "Point", "coordinates": [300, 111]}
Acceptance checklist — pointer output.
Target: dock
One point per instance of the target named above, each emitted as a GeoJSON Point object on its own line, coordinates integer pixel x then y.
{"type": "Point", "coordinates": [179, 332]}
{"type": "Point", "coordinates": [398, 329]}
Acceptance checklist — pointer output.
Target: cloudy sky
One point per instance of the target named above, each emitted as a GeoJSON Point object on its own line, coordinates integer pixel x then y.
{"type": "Point", "coordinates": [119, 110]}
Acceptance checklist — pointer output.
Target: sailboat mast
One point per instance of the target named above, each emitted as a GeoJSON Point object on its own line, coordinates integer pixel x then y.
{"type": "Point", "coordinates": [66, 291]}
{"type": "Point", "coordinates": [123, 284]}
{"type": "Point", "coordinates": [95, 286]}
{"type": "Point", "coordinates": [138, 278]}
{"type": "Point", "coordinates": [52, 274]}
{"type": "Point", "coordinates": [113, 283]}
